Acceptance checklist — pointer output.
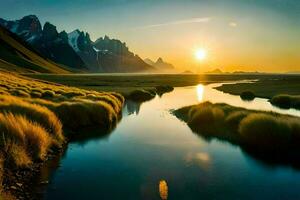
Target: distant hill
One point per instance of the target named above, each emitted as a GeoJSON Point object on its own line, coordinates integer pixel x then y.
{"type": "Point", "coordinates": [293, 72]}
{"type": "Point", "coordinates": [16, 55]}
{"type": "Point", "coordinates": [160, 65]}
{"type": "Point", "coordinates": [187, 72]}
{"type": "Point", "coordinates": [76, 50]}
{"type": "Point", "coordinates": [218, 71]}
{"type": "Point", "coordinates": [244, 72]}
{"type": "Point", "coordinates": [215, 71]}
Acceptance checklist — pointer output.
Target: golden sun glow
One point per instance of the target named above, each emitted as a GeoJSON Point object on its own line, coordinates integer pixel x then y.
{"type": "Point", "coordinates": [200, 54]}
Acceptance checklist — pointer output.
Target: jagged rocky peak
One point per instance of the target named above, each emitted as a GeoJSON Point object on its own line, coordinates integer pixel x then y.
{"type": "Point", "coordinates": [74, 33]}
{"type": "Point", "coordinates": [88, 38]}
{"type": "Point", "coordinates": [49, 32]}
{"type": "Point", "coordinates": [149, 62]}
{"type": "Point", "coordinates": [84, 40]}
{"type": "Point", "coordinates": [73, 37]}
{"type": "Point", "coordinates": [112, 45]}
{"type": "Point", "coordinates": [64, 36]}
{"type": "Point", "coordinates": [29, 27]}
{"type": "Point", "coordinates": [160, 64]}
{"type": "Point", "coordinates": [29, 23]}
{"type": "Point", "coordinates": [159, 60]}
{"type": "Point", "coordinates": [79, 40]}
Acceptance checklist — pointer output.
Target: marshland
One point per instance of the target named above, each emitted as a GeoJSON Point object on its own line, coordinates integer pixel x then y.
{"type": "Point", "coordinates": [182, 124]}
{"type": "Point", "coordinates": [151, 144]}
{"type": "Point", "coordinates": [144, 99]}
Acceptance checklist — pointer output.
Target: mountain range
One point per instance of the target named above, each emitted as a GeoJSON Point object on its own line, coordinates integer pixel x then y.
{"type": "Point", "coordinates": [71, 51]}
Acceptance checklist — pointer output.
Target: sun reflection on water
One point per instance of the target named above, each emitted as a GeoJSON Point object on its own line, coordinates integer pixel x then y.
{"type": "Point", "coordinates": [200, 92]}
{"type": "Point", "coordinates": [163, 190]}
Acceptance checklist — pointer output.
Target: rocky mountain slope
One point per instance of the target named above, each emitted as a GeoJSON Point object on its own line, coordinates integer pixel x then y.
{"type": "Point", "coordinates": [16, 55]}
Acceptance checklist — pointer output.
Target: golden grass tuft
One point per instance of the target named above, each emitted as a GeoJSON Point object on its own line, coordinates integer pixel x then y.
{"type": "Point", "coordinates": [86, 113]}
{"type": "Point", "coordinates": [38, 140]}
{"type": "Point", "coordinates": [34, 112]}
{"type": "Point", "coordinates": [18, 156]}
{"type": "Point", "coordinates": [265, 130]}
{"type": "Point", "coordinates": [234, 118]}
{"type": "Point", "coordinates": [23, 140]}
{"type": "Point", "coordinates": [286, 101]}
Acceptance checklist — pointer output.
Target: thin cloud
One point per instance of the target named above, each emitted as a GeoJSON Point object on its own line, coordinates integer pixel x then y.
{"type": "Point", "coordinates": [177, 22]}
{"type": "Point", "coordinates": [233, 24]}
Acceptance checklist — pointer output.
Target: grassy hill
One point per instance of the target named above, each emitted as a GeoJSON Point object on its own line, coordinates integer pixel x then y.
{"type": "Point", "coordinates": [16, 55]}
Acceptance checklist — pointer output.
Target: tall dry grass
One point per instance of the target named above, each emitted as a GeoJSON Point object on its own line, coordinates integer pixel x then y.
{"type": "Point", "coordinates": [23, 141]}
{"type": "Point", "coordinates": [73, 107]}
{"type": "Point", "coordinates": [265, 131]}
{"type": "Point", "coordinates": [33, 114]}
{"type": "Point", "coordinates": [209, 117]}
{"type": "Point", "coordinates": [39, 114]}
{"type": "Point", "coordinates": [286, 101]}
{"type": "Point", "coordinates": [86, 113]}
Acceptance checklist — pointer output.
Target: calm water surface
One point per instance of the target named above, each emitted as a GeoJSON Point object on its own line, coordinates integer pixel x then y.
{"type": "Point", "coordinates": [153, 155]}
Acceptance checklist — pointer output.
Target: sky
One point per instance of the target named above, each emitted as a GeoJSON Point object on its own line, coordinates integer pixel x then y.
{"type": "Point", "coordinates": [237, 35]}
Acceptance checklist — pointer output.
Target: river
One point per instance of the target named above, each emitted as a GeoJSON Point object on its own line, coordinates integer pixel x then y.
{"type": "Point", "coordinates": [153, 155]}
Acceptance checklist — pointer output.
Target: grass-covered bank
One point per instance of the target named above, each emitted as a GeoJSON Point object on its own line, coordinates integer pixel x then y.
{"type": "Point", "coordinates": [266, 135]}
{"type": "Point", "coordinates": [283, 91]}
{"type": "Point", "coordinates": [36, 115]}
{"type": "Point", "coordinates": [286, 101]}
{"type": "Point", "coordinates": [142, 95]}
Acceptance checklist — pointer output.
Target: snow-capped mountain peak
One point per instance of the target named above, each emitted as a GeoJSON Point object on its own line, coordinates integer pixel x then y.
{"type": "Point", "coordinates": [73, 39]}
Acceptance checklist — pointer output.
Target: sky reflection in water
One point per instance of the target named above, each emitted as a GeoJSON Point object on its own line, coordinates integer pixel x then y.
{"type": "Point", "coordinates": [151, 145]}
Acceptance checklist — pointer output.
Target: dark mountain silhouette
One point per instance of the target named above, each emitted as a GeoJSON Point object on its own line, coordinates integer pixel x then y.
{"type": "Point", "coordinates": [215, 71]}
{"type": "Point", "coordinates": [76, 49]}
{"type": "Point", "coordinates": [160, 65]}
{"type": "Point", "coordinates": [114, 55]}
{"type": "Point", "coordinates": [187, 72]}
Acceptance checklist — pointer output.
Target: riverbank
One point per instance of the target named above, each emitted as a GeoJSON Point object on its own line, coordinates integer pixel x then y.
{"type": "Point", "coordinates": [37, 119]}
{"type": "Point", "coordinates": [283, 91]}
{"type": "Point", "coordinates": [267, 135]}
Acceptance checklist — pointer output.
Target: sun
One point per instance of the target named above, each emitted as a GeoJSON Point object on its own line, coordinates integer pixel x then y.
{"type": "Point", "coordinates": [200, 54]}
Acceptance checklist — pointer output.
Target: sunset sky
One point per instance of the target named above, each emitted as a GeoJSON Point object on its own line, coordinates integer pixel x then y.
{"type": "Point", "coordinates": [247, 35]}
